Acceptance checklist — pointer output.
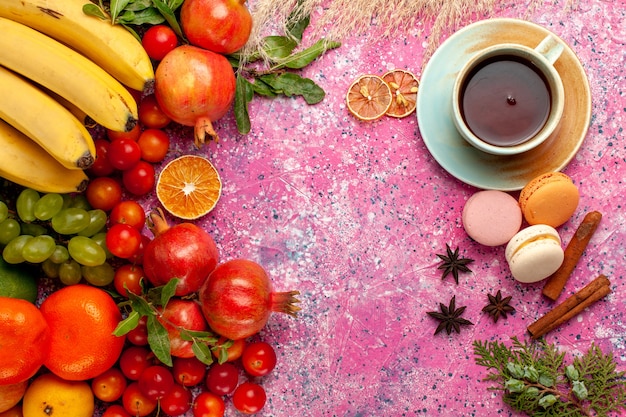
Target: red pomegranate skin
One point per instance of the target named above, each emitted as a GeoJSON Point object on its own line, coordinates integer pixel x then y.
{"type": "Point", "coordinates": [183, 251]}
{"type": "Point", "coordinates": [221, 26]}
{"type": "Point", "coordinates": [193, 84]}
{"type": "Point", "coordinates": [236, 299]}
{"type": "Point", "coordinates": [185, 314]}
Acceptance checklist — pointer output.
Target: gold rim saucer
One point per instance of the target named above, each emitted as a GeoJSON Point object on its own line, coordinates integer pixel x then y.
{"type": "Point", "coordinates": [453, 153]}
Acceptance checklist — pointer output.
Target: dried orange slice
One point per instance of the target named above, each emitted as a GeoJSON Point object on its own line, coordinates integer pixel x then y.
{"type": "Point", "coordinates": [189, 187]}
{"type": "Point", "coordinates": [369, 97]}
{"type": "Point", "coordinates": [404, 87]}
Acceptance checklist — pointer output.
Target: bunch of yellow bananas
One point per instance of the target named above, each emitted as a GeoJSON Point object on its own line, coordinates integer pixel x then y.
{"type": "Point", "coordinates": [56, 63]}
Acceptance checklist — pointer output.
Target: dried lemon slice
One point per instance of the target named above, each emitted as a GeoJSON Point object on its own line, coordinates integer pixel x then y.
{"type": "Point", "coordinates": [189, 187]}
{"type": "Point", "coordinates": [404, 86]}
{"type": "Point", "coordinates": [369, 97]}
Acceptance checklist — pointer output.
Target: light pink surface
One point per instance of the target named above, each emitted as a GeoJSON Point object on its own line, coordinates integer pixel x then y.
{"type": "Point", "coordinates": [353, 214]}
{"type": "Point", "coordinates": [491, 217]}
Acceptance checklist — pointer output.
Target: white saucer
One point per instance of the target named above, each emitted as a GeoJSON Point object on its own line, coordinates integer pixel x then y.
{"type": "Point", "coordinates": [453, 153]}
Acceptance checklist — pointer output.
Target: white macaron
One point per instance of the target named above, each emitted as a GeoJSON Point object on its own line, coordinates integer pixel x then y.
{"type": "Point", "coordinates": [534, 253]}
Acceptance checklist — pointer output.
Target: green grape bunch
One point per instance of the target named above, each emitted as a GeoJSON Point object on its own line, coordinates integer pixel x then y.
{"type": "Point", "coordinates": [60, 232]}
{"type": "Point", "coordinates": [534, 379]}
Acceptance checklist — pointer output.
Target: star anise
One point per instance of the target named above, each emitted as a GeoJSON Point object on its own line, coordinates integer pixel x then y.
{"type": "Point", "coordinates": [449, 317]}
{"type": "Point", "coordinates": [498, 306]}
{"type": "Point", "coordinates": [453, 264]}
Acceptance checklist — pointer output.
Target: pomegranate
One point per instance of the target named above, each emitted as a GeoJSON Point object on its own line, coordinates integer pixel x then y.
{"type": "Point", "coordinates": [221, 26]}
{"type": "Point", "coordinates": [184, 251]}
{"type": "Point", "coordinates": [181, 314]}
{"type": "Point", "coordinates": [195, 87]}
{"type": "Point", "coordinates": [11, 394]}
{"type": "Point", "coordinates": [237, 299]}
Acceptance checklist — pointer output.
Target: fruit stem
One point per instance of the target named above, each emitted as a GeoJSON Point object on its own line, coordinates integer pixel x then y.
{"type": "Point", "coordinates": [203, 128]}
{"type": "Point", "coordinates": [156, 222]}
{"type": "Point", "coordinates": [284, 302]}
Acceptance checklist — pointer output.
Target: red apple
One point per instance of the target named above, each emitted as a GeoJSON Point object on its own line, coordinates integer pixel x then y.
{"type": "Point", "coordinates": [221, 26]}
{"type": "Point", "coordinates": [185, 314]}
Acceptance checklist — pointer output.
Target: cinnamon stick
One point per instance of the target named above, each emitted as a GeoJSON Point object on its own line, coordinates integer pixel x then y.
{"type": "Point", "coordinates": [592, 292]}
{"type": "Point", "coordinates": [574, 250]}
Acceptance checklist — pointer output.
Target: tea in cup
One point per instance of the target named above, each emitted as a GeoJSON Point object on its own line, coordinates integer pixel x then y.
{"type": "Point", "coordinates": [508, 98]}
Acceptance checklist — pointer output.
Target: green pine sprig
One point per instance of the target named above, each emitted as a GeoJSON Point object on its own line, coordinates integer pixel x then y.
{"type": "Point", "coordinates": [535, 379]}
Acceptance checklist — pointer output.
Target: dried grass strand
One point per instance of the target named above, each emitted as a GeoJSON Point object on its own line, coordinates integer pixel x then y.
{"type": "Point", "coordinates": [379, 19]}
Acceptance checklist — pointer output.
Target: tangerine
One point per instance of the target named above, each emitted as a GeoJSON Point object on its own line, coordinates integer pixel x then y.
{"type": "Point", "coordinates": [82, 319]}
{"type": "Point", "coordinates": [369, 97]}
{"type": "Point", "coordinates": [189, 187]}
{"type": "Point", "coordinates": [49, 395]}
{"type": "Point", "coordinates": [404, 86]}
{"type": "Point", "coordinates": [25, 340]}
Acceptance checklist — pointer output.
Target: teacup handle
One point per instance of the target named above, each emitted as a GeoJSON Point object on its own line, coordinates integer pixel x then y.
{"type": "Point", "coordinates": [551, 48]}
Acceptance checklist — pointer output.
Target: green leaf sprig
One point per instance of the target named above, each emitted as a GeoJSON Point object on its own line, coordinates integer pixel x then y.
{"type": "Point", "coordinates": [133, 13]}
{"type": "Point", "coordinates": [534, 379]}
{"type": "Point", "coordinates": [204, 344]}
{"type": "Point", "coordinates": [276, 77]}
{"type": "Point", "coordinates": [268, 71]}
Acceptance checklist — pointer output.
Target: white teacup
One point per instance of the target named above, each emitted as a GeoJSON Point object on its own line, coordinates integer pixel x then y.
{"type": "Point", "coordinates": [508, 98]}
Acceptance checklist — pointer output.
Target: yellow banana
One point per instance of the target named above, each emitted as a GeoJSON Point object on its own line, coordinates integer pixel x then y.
{"type": "Point", "coordinates": [24, 162]}
{"type": "Point", "coordinates": [78, 113]}
{"type": "Point", "coordinates": [44, 120]}
{"type": "Point", "coordinates": [112, 47]}
{"type": "Point", "coordinates": [67, 73]}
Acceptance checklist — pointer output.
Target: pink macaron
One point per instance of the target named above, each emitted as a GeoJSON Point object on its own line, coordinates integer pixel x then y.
{"type": "Point", "coordinates": [492, 217]}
